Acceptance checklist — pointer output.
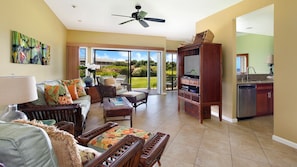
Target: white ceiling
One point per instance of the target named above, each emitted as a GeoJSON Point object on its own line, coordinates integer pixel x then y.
{"type": "Point", "coordinates": [96, 15]}
{"type": "Point", "coordinates": [260, 21]}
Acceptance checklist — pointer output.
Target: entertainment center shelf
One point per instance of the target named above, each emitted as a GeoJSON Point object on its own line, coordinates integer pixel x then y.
{"type": "Point", "coordinates": [200, 79]}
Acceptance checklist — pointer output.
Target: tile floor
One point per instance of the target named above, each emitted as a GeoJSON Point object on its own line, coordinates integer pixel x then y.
{"type": "Point", "coordinates": [247, 143]}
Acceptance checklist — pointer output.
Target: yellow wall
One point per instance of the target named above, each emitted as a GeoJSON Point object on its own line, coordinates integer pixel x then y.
{"type": "Point", "coordinates": [285, 92]}
{"type": "Point", "coordinates": [223, 25]}
{"type": "Point", "coordinates": [34, 19]}
{"type": "Point", "coordinates": [115, 39]}
{"type": "Point", "coordinates": [285, 89]}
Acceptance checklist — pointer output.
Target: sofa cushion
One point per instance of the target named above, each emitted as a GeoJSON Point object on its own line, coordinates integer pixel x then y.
{"type": "Point", "coordinates": [25, 145]}
{"type": "Point", "coordinates": [110, 137]}
{"type": "Point", "coordinates": [57, 94]}
{"type": "Point", "coordinates": [85, 103]}
{"type": "Point", "coordinates": [79, 85]}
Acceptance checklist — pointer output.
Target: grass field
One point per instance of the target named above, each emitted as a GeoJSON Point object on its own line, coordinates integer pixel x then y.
{"type": "Point", "coordinates": [141, 82]}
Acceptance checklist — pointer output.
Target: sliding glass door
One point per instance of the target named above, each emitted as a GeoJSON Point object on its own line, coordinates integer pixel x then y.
{"type": "Point", "coordinates": [139, 68]}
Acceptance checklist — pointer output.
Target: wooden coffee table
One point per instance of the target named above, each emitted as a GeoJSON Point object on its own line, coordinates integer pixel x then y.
{"type": "Point", "coordinates": [117, 107]}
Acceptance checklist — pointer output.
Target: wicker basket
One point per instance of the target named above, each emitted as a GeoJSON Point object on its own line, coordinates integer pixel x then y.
{"type": "Point", "coordinates": [205, 36]}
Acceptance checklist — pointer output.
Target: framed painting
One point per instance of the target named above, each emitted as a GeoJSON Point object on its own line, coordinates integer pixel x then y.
{"type": "Point", "coordinates": [26, 50]}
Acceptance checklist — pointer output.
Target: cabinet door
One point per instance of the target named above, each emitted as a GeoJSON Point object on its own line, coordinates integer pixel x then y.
{"type": "Point", "coordinates": [264, 99]}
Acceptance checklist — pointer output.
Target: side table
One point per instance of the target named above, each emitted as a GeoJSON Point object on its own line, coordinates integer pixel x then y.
{"type": "Point", "coordinates": [93, 91]}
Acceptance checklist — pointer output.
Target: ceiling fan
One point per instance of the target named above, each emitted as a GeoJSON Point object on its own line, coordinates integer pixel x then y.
{"type": "Point", "coordinates": [139, 15]}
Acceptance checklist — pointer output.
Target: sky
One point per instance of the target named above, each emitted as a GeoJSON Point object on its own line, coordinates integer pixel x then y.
{"type": "Point", "coordinates": [123, 55]}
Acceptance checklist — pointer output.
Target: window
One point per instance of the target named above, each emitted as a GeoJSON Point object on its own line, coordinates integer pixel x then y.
{"type": "Point", "coordinates": [82, 55]}
{"type": "Point", "coordinates": [82, 60]}
{"type": "Point", "coordinates": [171, 78]}
{"type": "Point", "coordinates": [242, 62]}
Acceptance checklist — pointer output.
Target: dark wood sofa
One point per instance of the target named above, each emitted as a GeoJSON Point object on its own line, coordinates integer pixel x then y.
{"type": "Point", "coordinates": [66, 112]}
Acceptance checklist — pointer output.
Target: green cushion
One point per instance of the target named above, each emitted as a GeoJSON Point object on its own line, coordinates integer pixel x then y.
{"type": "Point", "coordinates": [48, 122]}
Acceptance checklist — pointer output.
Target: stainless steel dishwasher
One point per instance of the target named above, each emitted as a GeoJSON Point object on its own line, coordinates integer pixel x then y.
{"type": "Point", "coordinates": [246, 100]}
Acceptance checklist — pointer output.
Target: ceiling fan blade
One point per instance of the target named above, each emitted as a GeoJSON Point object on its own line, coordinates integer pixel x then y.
{"type": "Point", "coordinates": [154, 19]}
{"type": "Point", "coordinates": [120, 15]}
{"type": "Point", "coordinates": [142, 14]}
{"type": "Point", "coordinates": [127, 21]}
{"type": "Point", "coordinates": [143, 23]}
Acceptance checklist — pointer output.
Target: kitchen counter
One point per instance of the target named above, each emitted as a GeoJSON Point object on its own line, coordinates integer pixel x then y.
{"type": "Point", "coordinates": [255, 82]}
{"type": "Point", "coordinates": [254, 79]}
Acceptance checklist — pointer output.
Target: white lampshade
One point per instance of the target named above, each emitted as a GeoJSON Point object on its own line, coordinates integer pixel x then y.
{"type": "Point", "coordinates": [270, 59]}
{"type": "Point", "coordinates": [17, 89]}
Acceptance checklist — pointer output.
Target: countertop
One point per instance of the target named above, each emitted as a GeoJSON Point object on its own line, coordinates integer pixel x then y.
{"type": "Point", "coordinates": [255, 82]}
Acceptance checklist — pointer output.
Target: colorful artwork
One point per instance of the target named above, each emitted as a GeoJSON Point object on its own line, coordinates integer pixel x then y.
{"type": "Point", "coordinates": [26, 50]}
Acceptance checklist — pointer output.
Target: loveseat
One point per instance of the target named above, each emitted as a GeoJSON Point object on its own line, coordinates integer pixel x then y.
{"type": "Point", "coordinates": [61, 100]}
{"type": "Point", "coordinates": [25, 143]}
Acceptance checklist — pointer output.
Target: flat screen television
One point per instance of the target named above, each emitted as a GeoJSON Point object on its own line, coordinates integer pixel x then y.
{"type": "Point", "coordinates": [192, 66]}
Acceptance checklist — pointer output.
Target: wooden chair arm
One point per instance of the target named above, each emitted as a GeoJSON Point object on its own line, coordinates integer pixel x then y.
{"type": "Point", "coordinates": [87, 136]}
{"type": "Point", "coordinates": [128, 86]}
{"type": "Point", "coordinates": [153, 149]}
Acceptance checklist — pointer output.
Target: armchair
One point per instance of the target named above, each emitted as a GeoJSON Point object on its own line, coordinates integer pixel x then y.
{"type": "Point", "coordinates": [109, 87]}
{"type": "Point", "coordinates": [23, 142]}
{"type": "Point", "coordinates": [151, 152]}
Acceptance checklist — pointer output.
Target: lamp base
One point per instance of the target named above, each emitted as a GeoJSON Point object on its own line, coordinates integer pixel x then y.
{"type": "Point", "coordinates": [13, 114]}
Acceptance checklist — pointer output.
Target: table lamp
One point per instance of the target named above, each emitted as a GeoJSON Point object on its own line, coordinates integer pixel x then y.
{"type": "Point", "coordinates": [15, 90]}
{"type": "Point", "coordinates": [270, 62]}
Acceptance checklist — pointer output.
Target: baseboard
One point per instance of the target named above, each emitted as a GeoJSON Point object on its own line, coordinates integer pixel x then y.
{"type": "Point", "coordinates": [284, 141]}
{"type": "Point", "coordinates": [232, 120]}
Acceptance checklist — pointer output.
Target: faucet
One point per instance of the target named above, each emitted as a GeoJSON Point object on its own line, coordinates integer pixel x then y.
{"type": "Point", "coordinates": [247, 72]}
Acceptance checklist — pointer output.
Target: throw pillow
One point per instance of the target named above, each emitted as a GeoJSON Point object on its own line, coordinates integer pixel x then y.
{"type": "Point", "coordinates": [79, 86]}
{"type": "Point", "coordinates": [73, 91]}
{"type": "Point", "coordinates": [87, 154]}
{"type": "Point", "coordinates": [109, 81]}
{"type": "Point", "coordinates": [57, 94]}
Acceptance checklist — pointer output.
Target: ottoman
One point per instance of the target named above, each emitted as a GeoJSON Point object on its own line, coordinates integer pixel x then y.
{"type": "Point", "coordinates": [136, 97]}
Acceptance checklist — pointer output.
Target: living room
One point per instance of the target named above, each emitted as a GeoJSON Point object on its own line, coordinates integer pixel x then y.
{"type": "Point", "coordinates": [35, 19]}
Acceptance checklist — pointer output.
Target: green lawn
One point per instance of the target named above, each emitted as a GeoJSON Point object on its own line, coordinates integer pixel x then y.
{"type": "Point", "coordinates": [141, 82]}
